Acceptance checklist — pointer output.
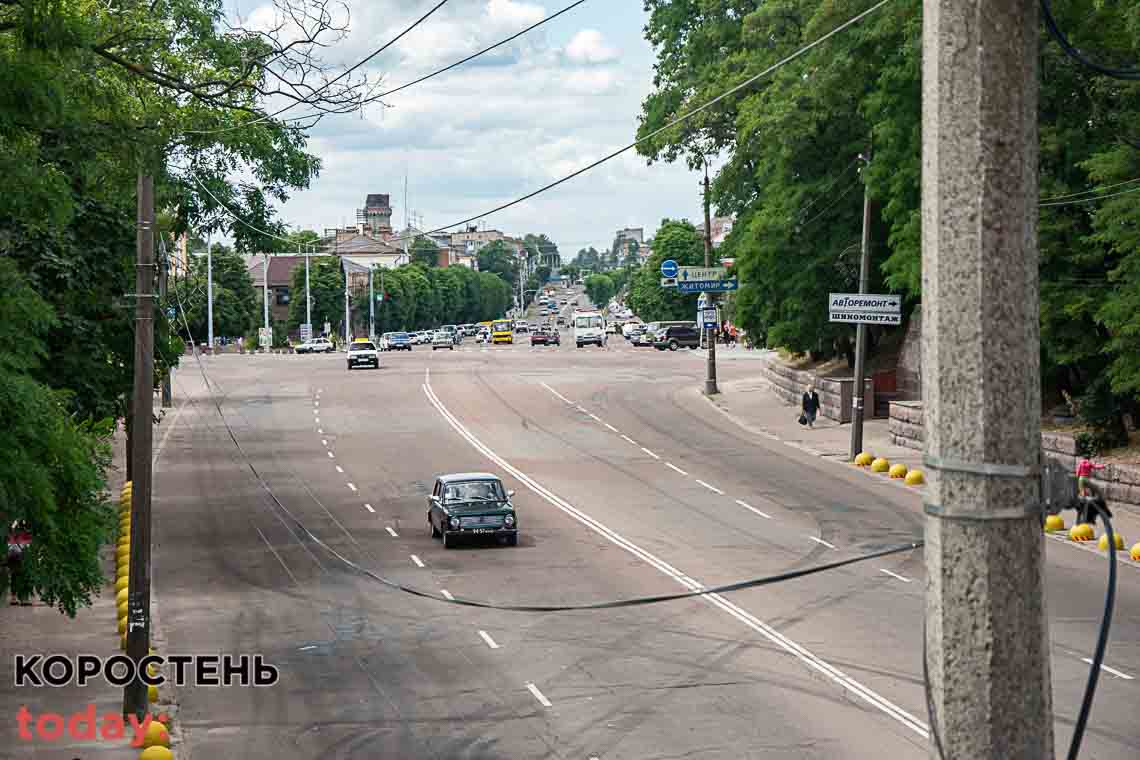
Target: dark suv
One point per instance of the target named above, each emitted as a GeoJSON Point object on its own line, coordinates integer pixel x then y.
{"type": "Point", "coordinates": [677, 336]}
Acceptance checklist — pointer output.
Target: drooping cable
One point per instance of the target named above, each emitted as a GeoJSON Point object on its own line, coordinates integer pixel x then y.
{"type": "Point", "coordinates": [1077, 55]}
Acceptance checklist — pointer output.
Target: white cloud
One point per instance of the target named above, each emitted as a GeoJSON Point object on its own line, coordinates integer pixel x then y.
{"type": "Point", "coordinates": [588, 46]}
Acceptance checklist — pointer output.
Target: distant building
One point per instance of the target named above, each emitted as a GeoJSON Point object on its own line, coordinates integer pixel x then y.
{"type": "Point", "coordinates": [721, 227]}
{"type": "Point", "coordinates": [627, 241]}
{"type": "Point", "coordinates": [376, 216]}
{"type": "Point", "coordinates": [280, 282]}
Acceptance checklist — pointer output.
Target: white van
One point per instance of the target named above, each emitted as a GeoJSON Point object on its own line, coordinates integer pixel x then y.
{"type": "Point", "coordinates": [589, 327]}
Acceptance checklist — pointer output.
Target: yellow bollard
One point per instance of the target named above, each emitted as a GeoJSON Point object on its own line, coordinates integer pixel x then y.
{"type": "Point", "coordinates": [1082, 532]}
{"type": "Point", "coordinates": [121, 583]}
{"type": "Point", "coordinates": [123, 606]}
{"type": "Point", "coordinates": [1054, 524]}
{"type": "Point", "coordinates": [121, 595]}
{"type": "Point", "coordinates": [914, 478]}
{"type": "Point", "coordinates": [156, 753]}
{"type": "Point", "coordinates": [898, 470]}
{"type": "Point", "coordinates": [156, 735]}
{"type": "Point", "coordinates": [863, 459]}
{"type": "Point", "coordinates": [1102, 544]}
{"type": "Point", "coordinates": [152, 694]}
{"type": "Point", "coordinates": [123, 625]}
{"type": "Point", "coordinates": [880, 465]}
{"type": "Point", "coordinates": [1136, 553]}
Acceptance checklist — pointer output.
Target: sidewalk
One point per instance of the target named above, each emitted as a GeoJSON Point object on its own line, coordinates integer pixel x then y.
{"type": "Point", "coordinates": [40, 629]}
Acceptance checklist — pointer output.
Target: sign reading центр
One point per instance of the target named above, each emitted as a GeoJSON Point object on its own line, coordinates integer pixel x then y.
{"type": "Point", "coordinates": [868, 308]}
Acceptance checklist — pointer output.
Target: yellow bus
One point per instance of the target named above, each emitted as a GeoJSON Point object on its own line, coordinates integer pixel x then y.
{"type": "Point", "coordinates": [502, 331]}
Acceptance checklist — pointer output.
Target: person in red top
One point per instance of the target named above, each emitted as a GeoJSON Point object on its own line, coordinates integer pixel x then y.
{"type": "Point", "coordinates": [1084, 470]}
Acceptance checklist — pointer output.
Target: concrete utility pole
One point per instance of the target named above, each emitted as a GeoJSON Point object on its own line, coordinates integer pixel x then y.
{"type": "Point", "coordinates": [209, 294]}
{"type": "Point", "coordinates": [308, 298]}
{"type": "Point", "coordinates": [142, 435]}
{"type": "Point", "coordinates": [710, 375]}
{"type": "Point", "coordinates": [371, 305]}
{"type": "Point", "coordinates": [987, 639]}
{"type": "Point", "coordinates": [861, 328]}
{"type": "Point", "coordinates": [347, 312]}
{"type": "Point", "coordinates": [265, 300]}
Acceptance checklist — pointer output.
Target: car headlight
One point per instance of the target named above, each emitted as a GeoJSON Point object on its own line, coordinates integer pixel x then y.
{"type": "Point", "coordinates": [455, 522]}
{"type": "Point", "coordinates": [509, 520]}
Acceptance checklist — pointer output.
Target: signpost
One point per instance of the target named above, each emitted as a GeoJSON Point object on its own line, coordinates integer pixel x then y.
{"type": "Point", "coordinates": [668, 282]}
{"type": "Point", "coordinates": [865, 308]}
{"type": "Point", "coordinates": [265, 337]}
{"type": "Point", "coordinates": [306, 332]}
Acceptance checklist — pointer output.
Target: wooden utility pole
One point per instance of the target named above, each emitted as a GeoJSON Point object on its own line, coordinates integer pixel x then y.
{"type": "Point", "coordinates": [135, 700]}
{"type": "Point", "coordinates": [987, 638]}
{"type": "Point", "coordinates": [710, 372]}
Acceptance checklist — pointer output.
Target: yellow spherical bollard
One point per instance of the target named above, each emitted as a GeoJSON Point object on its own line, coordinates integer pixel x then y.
{"type": "Point", "coordinates": [156, 735]}
{"type": "Point", "coordinates": [123, 550]}
{"type": "Point", "coordinates": [152, 694]}
{"type": "Point", "coordinates": [1054, 524]}
{"type": "Point", "coordinates": [123, 625]}
{"type": "Point", "coordinates": [156, 753]}
{"type": "Point", "coordinates": [914, 478]}
{"type": "Point", "coordinates": [880, 465]}
{"type": "Point", "coordinates": [898, 470]}
{"type": "Point", "coordinates": [1102, 544]}
{"type": "Point", "coordinates": [1136, 553]}
{"type": "Point", "coordinates": [863, 459]}
{"type": "Point", "coordinates": [121, 595]}
{"type": "Point", "coordinates": [121, 583]}
{"type": "Point", "coordinates": [1082, 532]}
{"type": "Point", "coordinates": [123, 606]}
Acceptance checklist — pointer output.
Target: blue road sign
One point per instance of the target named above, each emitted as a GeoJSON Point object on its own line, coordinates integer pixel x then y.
{"type": "Point", "coordinates": [668, 268]}
{"type": "Point", "coordinates": [707, 286]}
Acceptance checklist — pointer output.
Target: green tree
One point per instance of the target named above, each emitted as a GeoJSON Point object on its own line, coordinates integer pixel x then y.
{"type": "Point", "coordinates": [676, 240]}
{"type": "Point", "coordinates": [498, 258]}
{"type": "Point", "coordinates": [424, 251]}
{"type": "Point", "coordinates": [326, 288]}
{"type": "Point", "coordinates": [599, 289]}
{"type": "Point", "coordinates": [236, 303]}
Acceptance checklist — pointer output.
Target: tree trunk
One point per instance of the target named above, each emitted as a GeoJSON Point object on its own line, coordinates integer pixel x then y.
{"type": "Point", "coordinates": [127, 427]}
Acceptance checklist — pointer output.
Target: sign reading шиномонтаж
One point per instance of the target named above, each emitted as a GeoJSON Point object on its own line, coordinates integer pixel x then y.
{"type": "Point", "coordinates": [868, 308]}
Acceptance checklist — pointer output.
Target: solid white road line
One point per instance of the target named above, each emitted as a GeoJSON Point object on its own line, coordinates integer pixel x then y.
{"type": "Point", "coordinates": [611, 427]}
{"type": "Point", "coordinates": [821, 541]}
{"type": "Point", "coordinates": [672, 466]}
{"type": "Point", "coordinates": [419, 562]}
{"type": "Point", "coordinates": [556, 393]}
{"type": "Point", "coordinates": [324, 441]}
{"type": "Point", "coordinates": [340, 469]}
{"type": "Point", "coordinates": [275, 554]}
{"type": "Point", "coordinates": [1107, 669]}
{"type": "Point", "coordinates": [351, 487]}
{"type": "Point", "coordinates": [490, 641]}
{"type": "Point", "coordinates": [594, 417]}
{"type": "Point", "coordinates": [538, 695]}
{"type": "Point", "coordinates": [392, 532]}
{"type": "Point", "coordinates": [894, 575]}
{"type": "Point", "coordinates": [710, 487]}
{"type": "Point", "coordinates": [580, 409]}
{"type": "Point", "coordinates": [626, 437]}
{"type": "Point", "coordinates": [650, 453]}
{"type": "Point", "coordinates": [753, 509]}
{"type": "Point", "coordinates": [447, 594]}
{"type": "Point", "coordinates": [805, 656]}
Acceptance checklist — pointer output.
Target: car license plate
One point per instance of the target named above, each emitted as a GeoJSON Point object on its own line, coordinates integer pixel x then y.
{"type": "Point", "coordinates": [482, 530]}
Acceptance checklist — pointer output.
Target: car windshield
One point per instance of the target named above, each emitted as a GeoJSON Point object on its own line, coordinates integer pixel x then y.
{"type": "Point", "coordinates": [501, 326]}
{"type": "Point", "coordinates": [474, 490]}
{"type": "Point", "coordinates": [581, 322]}
{"type": "Point", "coordinates": [362, 347]}
{"type": "Point", "coordinates": [400, 336]}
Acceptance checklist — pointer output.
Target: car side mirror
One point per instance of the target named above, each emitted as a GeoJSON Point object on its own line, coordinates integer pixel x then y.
{"type": "Point", "coordinates": [510, 494]}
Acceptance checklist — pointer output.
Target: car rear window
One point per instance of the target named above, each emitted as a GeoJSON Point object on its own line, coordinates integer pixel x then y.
{"type": "Point", "coordinates": [362, 347]}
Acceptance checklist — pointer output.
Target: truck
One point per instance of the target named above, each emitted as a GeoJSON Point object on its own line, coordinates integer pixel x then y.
{"type": "Point", "coordinates": [589, 327]}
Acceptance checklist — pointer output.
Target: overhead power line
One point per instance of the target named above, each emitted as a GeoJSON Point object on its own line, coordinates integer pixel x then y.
{"type": "Point", "coordinates": [328, 84]}
{"type": "Point", "coordinates": [458, 63]}
{"type": "Point", "coordinates": [1090, 191]}
{"type": "Point", "coordinates": [1091, 198]}
{"type": "Point", "coordinates": [674, 122]}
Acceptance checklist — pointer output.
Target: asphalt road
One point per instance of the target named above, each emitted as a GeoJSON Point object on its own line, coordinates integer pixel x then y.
{"type": "Point", "coordinates": [626, 485]}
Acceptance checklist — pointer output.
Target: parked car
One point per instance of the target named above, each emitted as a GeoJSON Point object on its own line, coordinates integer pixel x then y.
{"type": "Point", "coordinates": [545, 338]}
{"type": "Point", "coordinates": [443, 339]}
{"type": "Point", "coordinates": [521, 327]}
{"type": "Point", "coordinates": [470, 505]}
{"type": "Point", "coordinates": [315, 346]}
{"type": "Point", "coordinates": [677, 336]}
{"type": "Point", "coordinates": [363, 353]}
{"type": "Point", "coordinates": [399, 341]}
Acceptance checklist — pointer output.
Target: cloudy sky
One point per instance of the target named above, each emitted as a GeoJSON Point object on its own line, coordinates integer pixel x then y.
{"type": "Point", "coordinates": [500, 126]}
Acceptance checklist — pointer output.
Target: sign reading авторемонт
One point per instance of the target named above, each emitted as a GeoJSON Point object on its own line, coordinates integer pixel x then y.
{"type": "Point", "coordinates": [868, 308]}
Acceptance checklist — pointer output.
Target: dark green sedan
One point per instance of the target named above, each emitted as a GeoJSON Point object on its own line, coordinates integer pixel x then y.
{"type": "Point", "coordinates": [471, 505]}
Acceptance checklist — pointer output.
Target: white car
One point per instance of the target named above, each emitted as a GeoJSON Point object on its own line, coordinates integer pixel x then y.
{"type": "Point", "coordinates": [315, 346]}
{"type": "Point", "coordinates": [443, 339]}
{"type": "Point", "coordinates": [363, 353]}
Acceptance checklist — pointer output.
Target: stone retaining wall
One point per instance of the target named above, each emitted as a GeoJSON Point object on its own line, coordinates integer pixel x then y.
{"type": "Point", "coordinates": [835, 394]}
{"type": "Point", "coordinates": [1119, 483]}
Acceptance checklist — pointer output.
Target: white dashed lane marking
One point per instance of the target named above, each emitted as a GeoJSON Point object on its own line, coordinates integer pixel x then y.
{"type": "Point", "coordinates": [331, 455]}
{"type": "Point", "coordinates": [712, 488]}
{"type": "Point", "coordinates": [650, 453]}
{"type": "Point", "coordinates": [675, 468]}
{"type": "Point", "coordinates": [447, 594]}
{"type": "Point", "coordinates": [351, 487]}
{"type": "Point", "coordinates": [487, 637]}
{"type": "Point", "coordinates": [894, 575]}
{"type": "Point", "coordinates": [751, 508]}
{"type": "Point", "coordinates": [821, 541]}
{"type": "Point", "coordinates": [340, 469]}
{"type": "Point", "coordinates": [419, 562]}
{"type": "Point", "coordinates": [392, 532]}
{"type": "Point", "coordinates": [538, 695]}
